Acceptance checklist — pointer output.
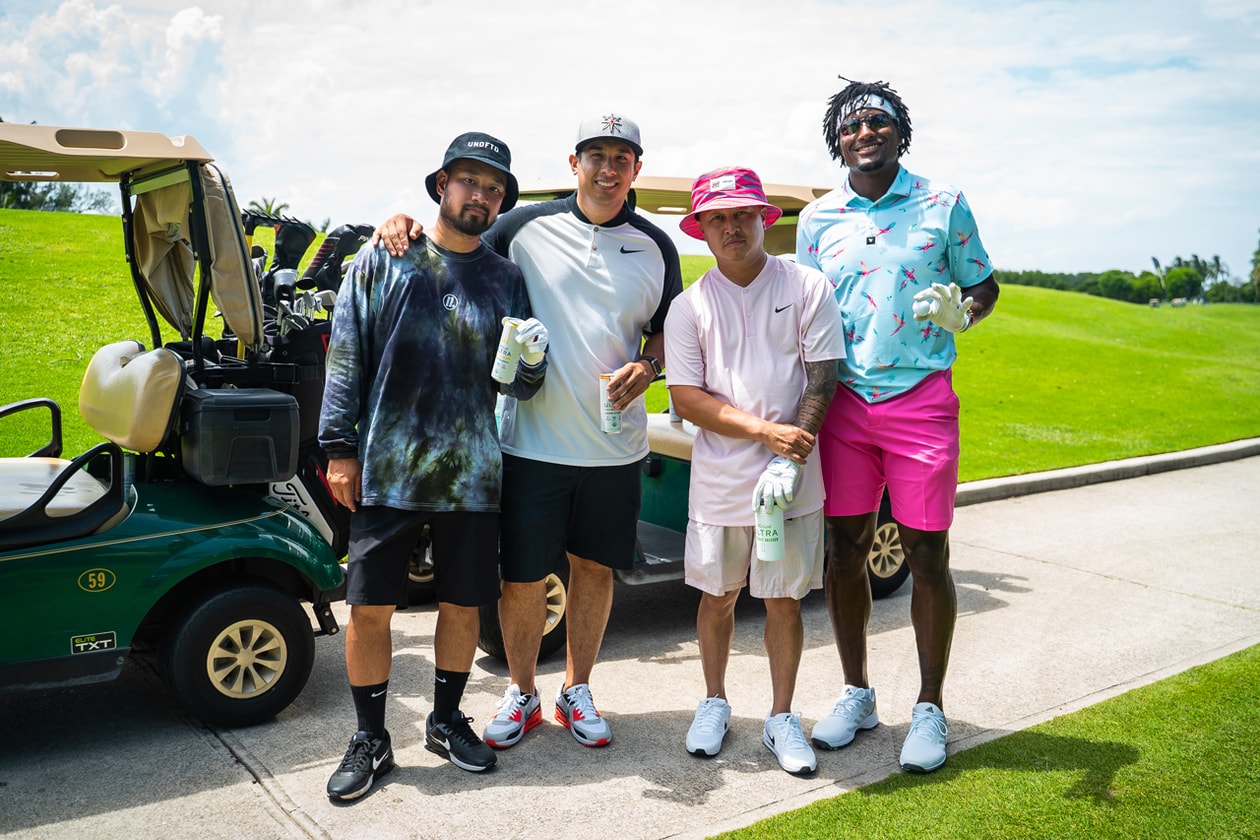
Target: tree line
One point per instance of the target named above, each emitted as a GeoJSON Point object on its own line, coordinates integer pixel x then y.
{"type": "Point", "coordinates": [54, 196]}
{"type": "Point", "coordinates": [1182, 279]}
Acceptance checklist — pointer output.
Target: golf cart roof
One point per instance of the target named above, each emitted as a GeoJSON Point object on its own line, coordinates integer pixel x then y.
{"type": "Point", "coordinates": [672, 197]}
{"type": "Point", "coordinates": [178, 212]}
{"type": "Point", "coordinates": [56, 153]}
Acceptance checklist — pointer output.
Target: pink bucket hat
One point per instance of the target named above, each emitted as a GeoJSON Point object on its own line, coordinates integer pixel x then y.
{"type": "Point", "coordinates": [732, 186]}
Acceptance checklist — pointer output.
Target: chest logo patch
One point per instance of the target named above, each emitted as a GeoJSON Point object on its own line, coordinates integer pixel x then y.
{"type": "Point", "coordinates": [450, 302]}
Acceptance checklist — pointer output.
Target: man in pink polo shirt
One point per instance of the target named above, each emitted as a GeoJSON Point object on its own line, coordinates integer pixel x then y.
{"type": "Point", "coordinates": [752, 349]}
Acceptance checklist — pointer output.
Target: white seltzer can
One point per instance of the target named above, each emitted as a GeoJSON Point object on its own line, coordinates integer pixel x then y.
{"type": "Point", "coordinates": [508, 354]}
{"type": "Point", "coordinates": [610, 418]}
{"type": "Point", "coordinates": [769, 533]}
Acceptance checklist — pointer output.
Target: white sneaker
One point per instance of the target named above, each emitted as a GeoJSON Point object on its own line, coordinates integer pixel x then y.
{"type": "Point", "coordinates": [784, 737]}
{"type": "Point", "coordinates": [853, 711]}
{"type": "Point", "coordinates": [924, 749]}
{"type": "Point", "coordinates": [713, 718]}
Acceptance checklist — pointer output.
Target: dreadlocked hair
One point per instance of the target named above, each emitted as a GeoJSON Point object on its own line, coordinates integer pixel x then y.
{"type": "Point", "coordinates": [842, 104]}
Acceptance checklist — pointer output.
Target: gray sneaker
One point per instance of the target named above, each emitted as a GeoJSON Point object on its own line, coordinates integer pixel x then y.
{"type": "Point", "coordinates": [713, 718]}
{"type": "Point", "coordinates": [575, 709]}
{"type": "Point", "coordinates": [853, 711]}
{"type": "Point", "coordinates": [784, 737]}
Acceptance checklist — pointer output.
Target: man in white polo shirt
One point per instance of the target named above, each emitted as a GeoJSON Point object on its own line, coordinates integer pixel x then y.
{"type": "Point", "coordinates": [752, 349]}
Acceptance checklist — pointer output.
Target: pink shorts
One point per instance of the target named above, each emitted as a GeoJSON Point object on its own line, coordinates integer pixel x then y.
{"type": "Point", "coordinates": [908, 443]}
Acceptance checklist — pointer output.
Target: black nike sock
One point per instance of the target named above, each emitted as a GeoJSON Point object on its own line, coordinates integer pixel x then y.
{"type": "Point", "coordinates": [448, 689]}
{"type": "Point", "coordinates": [369, 705]}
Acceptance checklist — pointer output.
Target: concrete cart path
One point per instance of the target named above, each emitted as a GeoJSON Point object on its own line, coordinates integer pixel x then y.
{"type": "Point", "coordinates": [1065, 598]}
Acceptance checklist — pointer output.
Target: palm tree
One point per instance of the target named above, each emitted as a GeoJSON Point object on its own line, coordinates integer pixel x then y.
{"type": "Point", "coordinates": [268, 206]}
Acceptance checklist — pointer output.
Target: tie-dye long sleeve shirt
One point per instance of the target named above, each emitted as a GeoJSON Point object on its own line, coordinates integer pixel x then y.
{"type": "Point", "coordinates": [408, 389]}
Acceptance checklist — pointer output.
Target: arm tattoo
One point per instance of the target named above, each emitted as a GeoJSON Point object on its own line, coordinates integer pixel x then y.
{"type": "Point", "coordinates": [820, 387]}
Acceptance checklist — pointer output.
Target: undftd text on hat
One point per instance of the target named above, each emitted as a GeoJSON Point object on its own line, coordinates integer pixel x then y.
{"type": "Point", "coordinates": [476, 145]}
{"type": "Point", "coordinates": [723, 189]}
{"type": "Point", "coordinates": [612, 126]}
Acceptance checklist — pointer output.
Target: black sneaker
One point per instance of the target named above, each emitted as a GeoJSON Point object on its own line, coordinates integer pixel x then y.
{"type": "Point", "coordinates": [455, 741]}
{"type": "Point", "coordinates": [366, 759]}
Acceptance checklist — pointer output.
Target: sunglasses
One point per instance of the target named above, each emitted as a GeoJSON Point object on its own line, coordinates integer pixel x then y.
{"type": "Point", "coordinates": [875, 122]}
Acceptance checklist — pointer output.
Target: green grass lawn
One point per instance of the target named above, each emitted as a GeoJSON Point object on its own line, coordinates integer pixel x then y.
{"type": "Point", "coordinates": [1175, 759]}
{"type": "Point", "coordinates": [1052, 379]}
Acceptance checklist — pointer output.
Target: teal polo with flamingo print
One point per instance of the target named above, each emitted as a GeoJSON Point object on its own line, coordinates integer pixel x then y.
{"type": "Point", "coordinates": [878, 255]}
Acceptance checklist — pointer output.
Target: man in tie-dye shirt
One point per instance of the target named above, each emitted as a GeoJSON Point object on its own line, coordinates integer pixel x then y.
{"type": "Point", "coordinates": [408, 426]}
{"type": "Point", "coordinates": [909, 274]}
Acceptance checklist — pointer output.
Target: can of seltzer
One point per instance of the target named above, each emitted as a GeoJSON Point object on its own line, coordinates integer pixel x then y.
{"type": "Point", "coordinates": [769, 533]}
{"type": "Point", "coordinates": [508, 354]}
{"type": "Point", "coordinates": [610, 418]}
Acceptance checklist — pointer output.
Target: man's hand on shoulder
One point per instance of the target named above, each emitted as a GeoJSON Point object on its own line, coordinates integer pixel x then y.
{"type": "Point", "coordinates": [397, 234]}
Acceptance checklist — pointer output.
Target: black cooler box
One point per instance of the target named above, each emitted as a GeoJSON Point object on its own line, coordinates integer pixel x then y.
{"type": "Point", "coordinates": [239, 436]}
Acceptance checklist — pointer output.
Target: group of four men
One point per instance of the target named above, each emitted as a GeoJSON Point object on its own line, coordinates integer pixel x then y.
{"type": "Point", "coordinates": [847, 350]}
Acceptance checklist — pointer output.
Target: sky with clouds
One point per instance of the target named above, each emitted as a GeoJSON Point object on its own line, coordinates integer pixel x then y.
{"type": "Point", "coordinates": [1086, 135]}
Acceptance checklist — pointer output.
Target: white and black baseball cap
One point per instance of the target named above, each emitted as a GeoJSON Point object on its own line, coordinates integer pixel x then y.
{"type": "Point", "coordinates": [613, 126]}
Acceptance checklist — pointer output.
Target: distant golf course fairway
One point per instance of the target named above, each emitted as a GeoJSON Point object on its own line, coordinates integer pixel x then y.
{"type": "Point", "coordinates": [1052, 379]}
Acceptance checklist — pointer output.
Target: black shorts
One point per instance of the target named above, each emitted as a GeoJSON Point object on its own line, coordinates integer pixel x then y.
{"type": "Point", "coordinates": [465, 555]}
{"type": "Point", "coordinates": [548, 509]}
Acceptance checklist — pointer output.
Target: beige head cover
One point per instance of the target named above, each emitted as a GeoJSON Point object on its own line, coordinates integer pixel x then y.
{"type": "Point", "coordinates": [233, 287]}
{"type": "Point", "coordinates": [165, 255]}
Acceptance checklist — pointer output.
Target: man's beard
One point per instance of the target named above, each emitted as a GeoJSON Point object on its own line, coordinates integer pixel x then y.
{"type": "Point", "coordinates": [467, 225]}
{"type": "Point", "coordinates": [873, 167]}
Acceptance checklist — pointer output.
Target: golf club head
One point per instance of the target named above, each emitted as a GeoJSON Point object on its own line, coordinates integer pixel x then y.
{"type": "Point", "coordinates": [284, 284]}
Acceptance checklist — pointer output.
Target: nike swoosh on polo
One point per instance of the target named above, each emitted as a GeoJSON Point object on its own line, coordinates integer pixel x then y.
{"type": "Point", "coordinates": [625, 250]}
{"type": "Point", "coordinates": [781, 308]}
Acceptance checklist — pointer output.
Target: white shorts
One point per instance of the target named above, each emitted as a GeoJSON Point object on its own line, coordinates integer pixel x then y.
{"type": "Point", "coordinates": [719, 559]}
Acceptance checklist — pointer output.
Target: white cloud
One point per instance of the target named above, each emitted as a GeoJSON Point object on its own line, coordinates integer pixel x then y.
{"type": "Point", "coordinates": [1086, 136]}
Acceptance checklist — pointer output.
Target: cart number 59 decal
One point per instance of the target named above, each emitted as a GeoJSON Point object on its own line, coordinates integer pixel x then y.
{"type": "Point", "coordinates": [97, 580]}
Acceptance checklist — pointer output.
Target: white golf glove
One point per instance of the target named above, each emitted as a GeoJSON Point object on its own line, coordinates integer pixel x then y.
{"type": "Point", "coordinates": [944, 306]}
{"type": "Point", "coordinates": [533, 337]}
{"type": "Point", "coordinates": [777, 483]}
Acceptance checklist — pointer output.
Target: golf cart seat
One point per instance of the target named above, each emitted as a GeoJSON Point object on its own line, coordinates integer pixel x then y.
{"type": "Point", "coordinates": [44, 498]}
{"type": "Point", "coordinates": [130, 396]}
{"type": "Point", "coordinates": [671, 439]}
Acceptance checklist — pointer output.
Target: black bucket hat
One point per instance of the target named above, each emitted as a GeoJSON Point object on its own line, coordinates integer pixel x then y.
{"type": "Point", "coordinates": [476, 145]}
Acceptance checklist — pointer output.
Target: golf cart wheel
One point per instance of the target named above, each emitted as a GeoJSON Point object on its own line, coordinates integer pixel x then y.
{"type": "Point", "coordinates": [421, 586]}
{"type": "Point", "coordinates": [491, 638]}
{"type": "Point", "coordinates": [241, 656]}
{"type": "Point", "coordinates": [886, 567]}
